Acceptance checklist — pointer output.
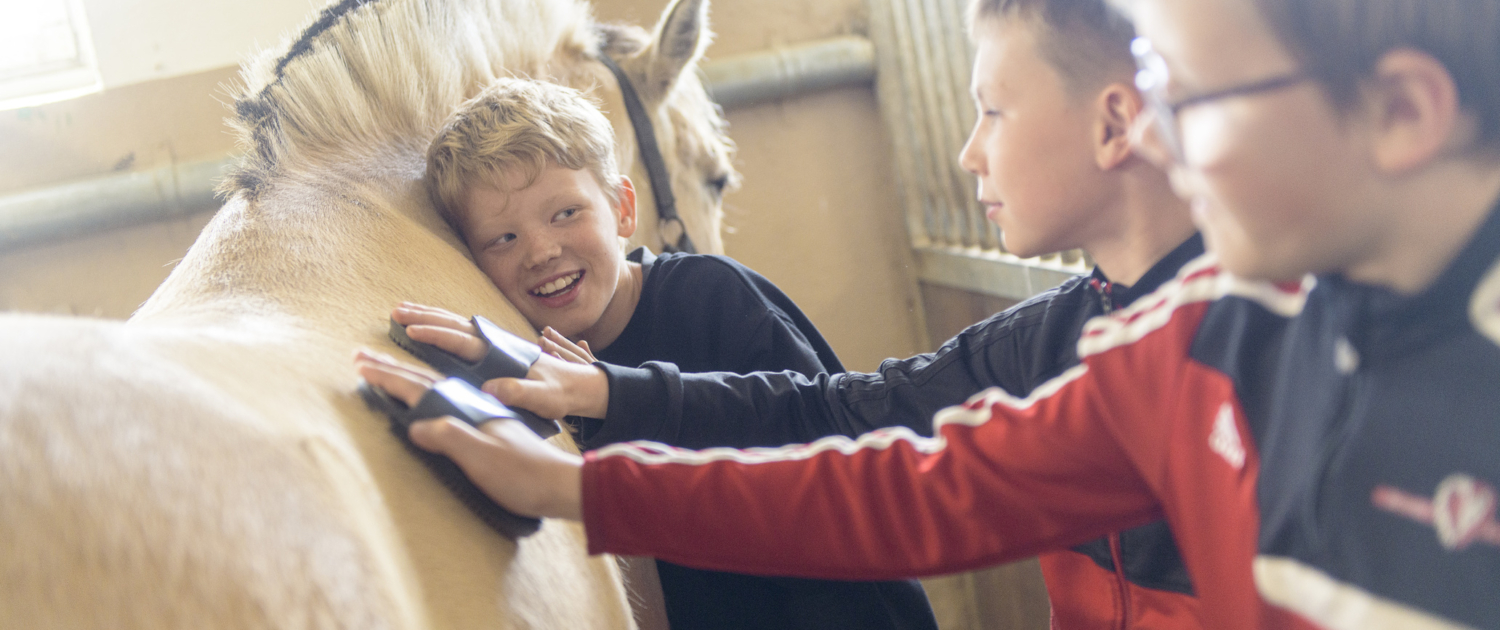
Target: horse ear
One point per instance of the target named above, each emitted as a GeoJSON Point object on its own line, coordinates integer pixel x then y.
{"type": "Point", "coordinates": [680, 39]}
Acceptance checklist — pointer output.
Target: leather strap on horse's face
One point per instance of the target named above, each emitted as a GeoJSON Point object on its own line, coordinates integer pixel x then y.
{"type": "Point", "coordinates": [656, 167]}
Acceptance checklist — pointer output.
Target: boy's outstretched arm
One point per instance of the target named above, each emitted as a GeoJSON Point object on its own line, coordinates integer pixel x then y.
{"type": "Point", "coordinates": [1005, 479]}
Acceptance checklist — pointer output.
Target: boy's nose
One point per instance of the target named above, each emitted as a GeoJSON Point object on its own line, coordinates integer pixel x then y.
{"type": "Point", "coordinates": [970, 158]}
{"type": "Point", "coordinates": [542, 251]}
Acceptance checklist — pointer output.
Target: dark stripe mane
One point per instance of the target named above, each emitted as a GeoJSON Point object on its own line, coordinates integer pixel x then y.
{"type": "Point", "coordinates": [326, 19]}
{"type": "Point", "coordinates": [368, 74]}
{"type": "Point", "coordinates": [258, 114]}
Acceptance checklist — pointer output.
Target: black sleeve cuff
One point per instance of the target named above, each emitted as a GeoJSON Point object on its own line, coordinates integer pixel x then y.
{"type": "Point", "coordinates": [645, 403]}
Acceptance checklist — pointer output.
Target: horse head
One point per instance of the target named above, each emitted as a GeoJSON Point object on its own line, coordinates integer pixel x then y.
{"type": "Point", "coordinates": [660, 68]}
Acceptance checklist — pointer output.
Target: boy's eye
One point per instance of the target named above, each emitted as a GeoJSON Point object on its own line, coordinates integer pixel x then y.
{"type": "Point", "coordinates": [565, 214]}
{"type": "Point", "coordinates": [503, 239]}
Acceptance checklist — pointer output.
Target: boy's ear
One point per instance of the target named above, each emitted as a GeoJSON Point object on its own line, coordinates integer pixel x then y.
{"type": "Point", "coordinates": [1414, 111]}
{"type": "Point", "coordinates": [625, 212]}
{"type": "Point", "coordinates": [1117, 108]}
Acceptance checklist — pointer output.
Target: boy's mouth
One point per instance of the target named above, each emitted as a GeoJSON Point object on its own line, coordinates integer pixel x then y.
{"type": "Point", "coordinates": [558, 286]}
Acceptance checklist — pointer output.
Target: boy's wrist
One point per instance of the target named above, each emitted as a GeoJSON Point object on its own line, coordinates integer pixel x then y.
{"type": "Point", "coordinates": [589, 392]}
{"type": "Point", "coordinates": [566, 497]}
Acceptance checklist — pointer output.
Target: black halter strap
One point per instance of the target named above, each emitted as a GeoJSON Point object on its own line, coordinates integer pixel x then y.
{"type": "Point", "coordinates": [656, 167]}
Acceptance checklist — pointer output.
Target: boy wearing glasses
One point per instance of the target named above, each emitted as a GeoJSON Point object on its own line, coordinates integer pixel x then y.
{"type": "Point", "coordinates": [1312, 407]}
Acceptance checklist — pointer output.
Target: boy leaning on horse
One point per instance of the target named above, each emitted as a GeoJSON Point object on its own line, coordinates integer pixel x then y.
{"type": "Point", "coordinates": [525, 173]}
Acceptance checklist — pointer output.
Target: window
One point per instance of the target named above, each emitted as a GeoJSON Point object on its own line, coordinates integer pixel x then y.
{"type": "Point", "coordinates": [45, 53]}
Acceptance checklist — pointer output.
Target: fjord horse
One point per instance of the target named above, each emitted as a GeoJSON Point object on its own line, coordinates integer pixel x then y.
{"type": "Point", "coordinates": [207, 464]}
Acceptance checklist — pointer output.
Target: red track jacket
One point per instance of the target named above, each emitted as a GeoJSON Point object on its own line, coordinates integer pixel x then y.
{"type": "Point", "coordinates": [1289, 435]}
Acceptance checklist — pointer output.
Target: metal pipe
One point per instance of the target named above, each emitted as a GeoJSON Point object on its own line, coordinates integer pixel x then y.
{"type": "Point", "coordinates": [108, 202]}
{"type": "Point", "coordinates": [795, 70]}
{"type": "Point", "coordinates": [175, 191]}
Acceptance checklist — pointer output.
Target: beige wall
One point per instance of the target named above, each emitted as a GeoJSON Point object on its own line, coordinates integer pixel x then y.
{"type": "Point", "coordinates": [816, 214]}
{"type": "Point", "coordinates": [137, 127]}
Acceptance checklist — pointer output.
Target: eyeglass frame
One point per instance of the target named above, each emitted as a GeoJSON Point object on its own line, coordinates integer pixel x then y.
{"type": "Point", "coordinates": [1151, 79]}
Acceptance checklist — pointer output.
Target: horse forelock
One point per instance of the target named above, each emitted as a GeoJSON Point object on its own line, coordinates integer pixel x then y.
{"type": "Point", "coordinates": [369, 74]}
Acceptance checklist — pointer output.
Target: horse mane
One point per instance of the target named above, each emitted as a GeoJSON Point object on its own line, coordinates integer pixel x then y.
{"type": "Point", "coordinates": [367, 75]}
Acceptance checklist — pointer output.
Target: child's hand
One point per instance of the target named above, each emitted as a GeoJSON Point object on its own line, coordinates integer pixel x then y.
{"type": "Point", "coordinates": [555, 344]}
{"type": "Point", "coordinates": [435, 326]}
{"type": "Point", "coordinates": [555, 388]}
{"type": "Point", "coordinates": [503, 457]}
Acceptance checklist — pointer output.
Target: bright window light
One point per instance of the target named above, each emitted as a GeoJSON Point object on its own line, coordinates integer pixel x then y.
{"type": "Point", "coordinates": [45, 53]}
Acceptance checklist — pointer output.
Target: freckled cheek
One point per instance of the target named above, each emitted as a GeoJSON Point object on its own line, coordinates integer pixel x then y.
{"type": "Point", "coordinates": [504, 277]}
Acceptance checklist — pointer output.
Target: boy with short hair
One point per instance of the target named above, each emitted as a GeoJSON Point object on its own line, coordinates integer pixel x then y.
{"type": "Point", "coordinates": [1053, 87]}
{"type": "Point", "coordinates": [526, 174]}
{"type": "Point", "coordinates": [1324, 449]}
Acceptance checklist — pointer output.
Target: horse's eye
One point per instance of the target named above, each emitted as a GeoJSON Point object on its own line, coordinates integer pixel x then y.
{"type": "Point", "coordinates": [718, 184]}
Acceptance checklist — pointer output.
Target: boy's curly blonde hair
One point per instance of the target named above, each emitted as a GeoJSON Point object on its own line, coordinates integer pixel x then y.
{"type": "Point", "coordinates": [518, 125]}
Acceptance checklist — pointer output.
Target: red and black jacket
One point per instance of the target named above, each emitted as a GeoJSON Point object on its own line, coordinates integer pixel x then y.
{"type": "Point", "coordinates": [1326, 455]}
{"type": "Point", "coordinates": [1126, 580]}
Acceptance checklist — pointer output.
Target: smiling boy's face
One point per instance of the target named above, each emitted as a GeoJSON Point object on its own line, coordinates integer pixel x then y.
{"type": "Point", "coordinates": [1280, 181]}
{"type": "Point", "coordinates": [553, 247]}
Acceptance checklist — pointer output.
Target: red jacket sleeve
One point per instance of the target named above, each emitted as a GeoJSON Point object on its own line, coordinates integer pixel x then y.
{"type": "Point", "coordinates": [1004, 478]}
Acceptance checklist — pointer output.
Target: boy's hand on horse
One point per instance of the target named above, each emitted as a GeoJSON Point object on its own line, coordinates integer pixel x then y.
{"type": "Point", "coordinates": [555, 387]}
{"type": "Point", "coordinates": [508, 461]}
{"type": "Point", "coordinates": [434, 326]}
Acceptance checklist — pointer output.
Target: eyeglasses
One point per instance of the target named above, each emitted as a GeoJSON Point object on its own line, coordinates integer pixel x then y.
{"type": "Point", "coordinates": [1151, 79]}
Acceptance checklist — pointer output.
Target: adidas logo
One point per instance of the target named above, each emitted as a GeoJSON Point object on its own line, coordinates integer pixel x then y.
{"type": "Point", "coordinates": [1225, 438]}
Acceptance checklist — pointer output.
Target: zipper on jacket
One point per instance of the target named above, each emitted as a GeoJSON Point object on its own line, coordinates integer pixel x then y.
{"type": "Point", "coordinates": [1105, 289]}
{"type": "Point", "coordinates": [1343, 430]}
{"type": "Point", "coordinates": [1121, 583]}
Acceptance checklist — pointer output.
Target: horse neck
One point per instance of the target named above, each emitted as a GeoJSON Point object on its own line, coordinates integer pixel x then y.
{"type": "Point", "coordinates": [326, 251]}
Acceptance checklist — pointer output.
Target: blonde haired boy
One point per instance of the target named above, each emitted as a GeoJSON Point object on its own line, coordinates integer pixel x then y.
{"type": "Point", "coordinates": [526, 173]}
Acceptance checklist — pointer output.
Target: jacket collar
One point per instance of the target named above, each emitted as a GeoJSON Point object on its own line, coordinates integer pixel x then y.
{"type": "Point", "coordinates": [1159, 273]}
{"type": "Point", "coordinates": [1383, 322]}
{"type": "Point", "coordinates": [643, 256]}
